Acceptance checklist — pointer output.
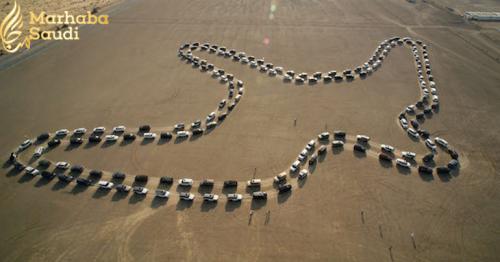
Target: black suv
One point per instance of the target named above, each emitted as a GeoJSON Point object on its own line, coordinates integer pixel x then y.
{"type": "Point", "coordinates": [94, 139]}
{"type": "Point", "coordinates": [84, 181]}
{"type": "Point", "coordinates": [54, 142]}
{"type": "Point", "coordinates": [165, 135]}
{"type": "Point", "coordinates": [144, 128]}
{"type": "Point", "coordinates": [230, 183]}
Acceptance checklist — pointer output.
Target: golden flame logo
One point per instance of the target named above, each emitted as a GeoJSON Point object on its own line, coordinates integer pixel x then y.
{"type": "Point", "coordinates": [10, 31]}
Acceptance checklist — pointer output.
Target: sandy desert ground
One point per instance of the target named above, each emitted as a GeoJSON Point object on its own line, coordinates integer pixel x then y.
{"type": "Point", "coordinates": [349, 209]}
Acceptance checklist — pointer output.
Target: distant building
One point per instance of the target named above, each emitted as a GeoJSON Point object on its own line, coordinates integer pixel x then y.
{"type": "Point", "coordinates": [482, 16]}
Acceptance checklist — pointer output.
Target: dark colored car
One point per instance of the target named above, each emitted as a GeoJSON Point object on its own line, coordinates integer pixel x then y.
{"type": "Point", "coordinates": [166, 135]}
{"type": "Point", "coordinates": [424, 134]}
{"type": "Point", "coordinates": [207, 182]}
{"type": "Point", "coordinates": [442, 170]}
{"type": "Point", "coordinates": [415, 124]}
{"type": "Point", "coordinates": [222, 116]}
{"type": "Point", "coordinates": [453, 154]}
{"type": "Point", "coordinates": [420, 116]}
{"type": "Point", "coordinates": [44, 163]}
{"type": "Point", "coordinates": [75, 141]}
{"type": "Point", "coordinates": [166, 180]}
{"type": "Point", "coordinates": [129, 137]}
{"type": "Point", "coordinates": [94, 139]}
{"type": "Point", "coordinates": [76, 169]}
{"type": "Point", "coordinates": [453, 164]}
{"type": "Point", "coordinates": [43, 137]}
{"type": "Point", "coordinates": [428, 157]}
{"type": "Point", "coordinates": [19, 167]}
{"type": "Point", "coordinates": [84, 181]}
{"type": "Point", "coordinates": [144, 128]}
{"type": "Point", "coordinates": [339, 134]}
{"type": "Point", "coordinates": [197, 131]}
{"type": "Point", "coordinates": [283, 188]}
{"type": "Point", "coordinates": [54, 142]}
{"type": "Point", "coordinates": [47, 174]}
{"type": "Point", "coordinates": [425, 170]}
{"type": "Point", "coordinates": [230, 183]}
{"type": "Point", "coordinates": [141, 178]}
{"type": "Point", "coordinates": [65, 178]}
{"type": "Point", "coordinates": [119, 175]}
{"type": "Point", "coordinates": [359, 148]}
{"type": "Point", "coordinates": [95, 173]}
{"type": "Point", "coordinates": [384, 157]}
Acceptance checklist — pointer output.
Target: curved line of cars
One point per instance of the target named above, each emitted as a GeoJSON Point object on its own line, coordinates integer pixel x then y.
{"type": "Point", "coordinates": [186, 49]}
{"type": "Point", "coordinates": [386, 154]}
{"type": "Point", "coordinates": [372, 64]}
{"type": "Point", "coordinates": [235, 91]}
{"type": "Point", "coordinates": [211, 121]}
{"type": "Point", "coordinates": [423, 66]}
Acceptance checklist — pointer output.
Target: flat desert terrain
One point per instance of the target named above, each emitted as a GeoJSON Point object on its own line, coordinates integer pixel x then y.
{"type": "Point", "coordinates": [350, 208]}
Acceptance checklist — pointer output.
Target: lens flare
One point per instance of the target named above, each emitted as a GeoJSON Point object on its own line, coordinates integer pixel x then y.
{"type": "Point", "coordinates": [272, 9]}
{"type": "Point", "coordinates": [266, 41]}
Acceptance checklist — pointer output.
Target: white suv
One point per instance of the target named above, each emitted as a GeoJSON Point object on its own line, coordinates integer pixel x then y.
{"type": "Point", "coordinates": [186, 182]}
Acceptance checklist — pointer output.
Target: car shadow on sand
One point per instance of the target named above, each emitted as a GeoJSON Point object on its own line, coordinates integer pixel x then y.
{"type": "Point", "coordinates": [359, 154]}
{"type": "Point", "coordinates": [100, 193]}
{"type": "Point", "coordinates": [231, 206]}
{"type": "Point", "coordinates": [206, 206]}
{"type": "Point", "coordinates": [258, 203]}
{"type": "Point", "coordinates": [77, 189]}
{"type": "Point", "coordinates": [159, 202]}
{"type": "Point", "coordinates": [25, 178]}
{"type": "Point", "coordinates": [183, 204]}
{"type": "Point", "coordinates": [136, 198]}
{"type": "Point", "coordinates": [426, 177]}
{"type": "Point", "coordinates": [283, 197]}
{"type": "Point", "coordinates": [59, 185]}
{"type": "Point", "coordinates": [385, 163]}
{"type": "Point", "coordinates": [118, 195]}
